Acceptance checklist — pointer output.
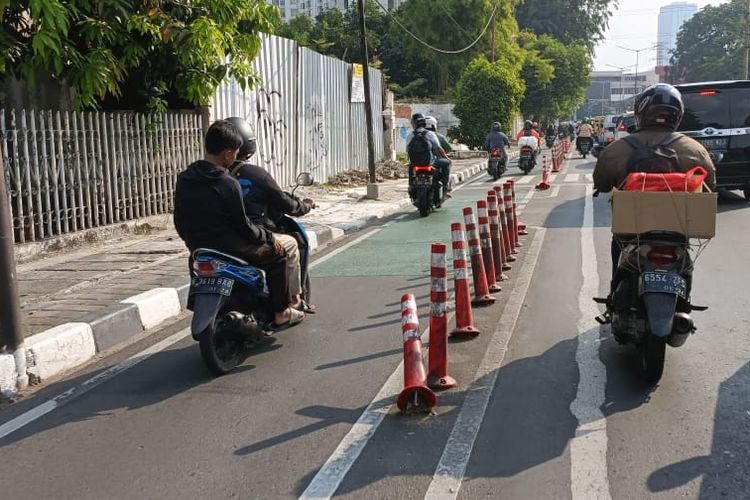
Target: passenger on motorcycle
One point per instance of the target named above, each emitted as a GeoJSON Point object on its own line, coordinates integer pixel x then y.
{"type": "Point", "coordinates": [209, 213]}
{"type": "Point", "coordinates": [419, 123]}
{"type": "Point", "coordinates": [266, 202]}
{"type": "Point", "coordinates": [528, 131]}
{"type": "Point", "coordinates": [444, 164]}
{"type": "Point", "coordinates": [496, 139]}
{"type": "Point", "coordinates": [654, 147]}
{"type": "Point", "coordinates": [585, 130]}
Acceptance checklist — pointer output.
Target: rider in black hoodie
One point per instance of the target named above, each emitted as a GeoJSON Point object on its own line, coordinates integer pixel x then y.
{"type": "Point", "coordinates": [209, 212]}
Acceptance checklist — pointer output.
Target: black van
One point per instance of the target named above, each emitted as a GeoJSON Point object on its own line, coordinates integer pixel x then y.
{"type": "Point", "coordinates": [718, 115]}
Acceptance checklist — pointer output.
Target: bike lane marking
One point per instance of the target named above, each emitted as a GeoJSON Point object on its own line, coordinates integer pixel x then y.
{"type": "Point", "coordinates": [449, 474]}
{"type": "Point", "coordinates": [588, 448]}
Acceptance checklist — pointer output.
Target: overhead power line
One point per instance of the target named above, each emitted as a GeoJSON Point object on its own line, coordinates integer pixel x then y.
{"type": "Point", "coordinates": [432, 47]}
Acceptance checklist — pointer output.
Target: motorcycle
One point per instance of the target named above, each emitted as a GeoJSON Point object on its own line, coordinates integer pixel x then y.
{"type": "Point", "coordinates": [650, 302]}
{"type": "Point", "coordinates": [584, 145]}
{"type": "Point", "coordinates": [230, 301]}
{"type": "Point", "coordinates": [496, 164]}
{"type": "Point", "coordinates": [550, 141]}
{"type": "Point", "coordinates": [526, 159]}
{"type": "Point", "coordinates": [426, 190]}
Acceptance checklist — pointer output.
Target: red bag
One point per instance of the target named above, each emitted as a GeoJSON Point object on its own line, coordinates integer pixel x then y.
{"type": "Point", "coordinates": [686, 182]}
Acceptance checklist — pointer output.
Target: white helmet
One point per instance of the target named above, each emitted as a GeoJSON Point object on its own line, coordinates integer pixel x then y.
{"type": "Point", "coordinates": [431, 123]}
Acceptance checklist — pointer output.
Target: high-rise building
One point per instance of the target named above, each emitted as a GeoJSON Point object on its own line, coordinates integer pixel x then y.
{"type": "Point", "coordinates": [290, 8]}
{"type": "Point", "coordinates": [671, 18]}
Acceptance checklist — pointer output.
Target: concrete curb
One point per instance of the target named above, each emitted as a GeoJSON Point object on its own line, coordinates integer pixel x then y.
{"type": "Point", "coordinates": [59, 349]}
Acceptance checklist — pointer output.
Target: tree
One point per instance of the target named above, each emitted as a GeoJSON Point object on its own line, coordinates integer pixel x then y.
{"type": "Point", "coordinates": [556, 76]}
{"type": "Point", "coordinates": [487, 92]}
{"type": "Point", "coordinates": [299, 29]}
{"type": "Point", "coordinates": [569, 21]}
{"type": "Point", "coordinates": [710, 46]}
{"type": "Point", "coordinates": [160, 48]}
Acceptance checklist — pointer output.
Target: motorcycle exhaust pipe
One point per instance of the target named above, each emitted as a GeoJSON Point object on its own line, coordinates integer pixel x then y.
{"type": "Point", "coordinates": [243, 325]}
{"type": "Point", "coordinates": [682, 327]}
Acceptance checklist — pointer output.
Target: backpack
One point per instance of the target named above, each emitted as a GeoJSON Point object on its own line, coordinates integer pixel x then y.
{"type": "Point", "coordinates": [420, 148]}
{"type": "Point", "coordinates": [656, 159]}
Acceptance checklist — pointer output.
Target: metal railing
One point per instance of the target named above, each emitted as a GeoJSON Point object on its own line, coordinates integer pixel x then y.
{"type": "Point", "coordinates": [69, 171]}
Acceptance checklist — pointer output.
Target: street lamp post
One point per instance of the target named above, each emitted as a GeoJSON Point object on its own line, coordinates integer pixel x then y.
{"type": "Point", "coordinates": [637, 54]}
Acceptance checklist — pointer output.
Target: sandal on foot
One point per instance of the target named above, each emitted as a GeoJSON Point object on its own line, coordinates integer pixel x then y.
{"type": "Point", "coordinates": [305, 307]}
{"type": "Point", "coordinates": [295, 318]}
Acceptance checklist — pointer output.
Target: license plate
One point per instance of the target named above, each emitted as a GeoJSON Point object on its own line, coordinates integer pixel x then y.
{"type": "Point", "coordinates": [212, 285]}
{"type": "Point", "coordinates": [714, 142]}
{"type": "Point", "coordinates": [424, 181]}
{"type": "Point", "coordinates": [659, 282]}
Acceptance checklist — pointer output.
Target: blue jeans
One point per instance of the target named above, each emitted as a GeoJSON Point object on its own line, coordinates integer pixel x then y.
{"type": "Point", "coordinates": [444, 166]}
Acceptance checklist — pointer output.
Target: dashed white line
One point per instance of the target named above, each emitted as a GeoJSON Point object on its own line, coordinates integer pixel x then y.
{"type": "Point", "coordinates": [551, 178]}
{"type": "Point", "coordinates": [449, 474]}
{"type": "Point", "coordinates": [588, 449]}
{"type": "Point", "coordinates": [526, 179]}
{"type": "Point", "coordinates": [572, 178]}
{"type": "Point", "coordinates": [589, 177]}
{"type": "Point", "coordinates": [555, 192]}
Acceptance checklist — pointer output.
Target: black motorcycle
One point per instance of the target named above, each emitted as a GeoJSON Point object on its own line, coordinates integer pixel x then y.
{"type": "Point", "coordinates": [496, 163]}
{"type": "Point", "coordinates": [526, 159]}
{"type": "Point", "coordinates": [230, 302]}
{"type": "Point", "coordinates": [585, 144]}
{"type": "Point", "coordinates": [550, 141]}
{"type": "Point", "coordinates": [426, 189]}
{"type": "Point", "coordinates": [650, 302]}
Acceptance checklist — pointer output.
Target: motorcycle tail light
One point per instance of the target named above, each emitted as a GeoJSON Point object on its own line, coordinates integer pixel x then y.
{"type": "Point", "coordinates": [662, 255]}
{"type": "Point", "coordinates": [423, 169]}
{"type": "Point", "coordinates": [495, 154]}
{"type": "Point", "coordinates": [208, 267]}
{"type": "Point", "coordinates": [525, 149]}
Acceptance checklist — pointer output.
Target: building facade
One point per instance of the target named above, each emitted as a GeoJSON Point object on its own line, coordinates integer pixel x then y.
{"type": "Point", "coordinates": [671, 18]}
{"type": "Point", "coordinates": [610, 90]}
{"type": "Point", "coordinates": [291, 8]}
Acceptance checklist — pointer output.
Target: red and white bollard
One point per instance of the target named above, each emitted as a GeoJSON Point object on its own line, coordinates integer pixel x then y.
{"type": "Point", "coordinates": [437, 368]}
{"type": "Point", "coordinates": [507, 244]}
{"type": "Point", "coordinates": [481, 290]}
{"type": "Point", "coordinates": [512, 231]}
{"type": "Point", "coordinates": [416, 395]}
{"type": "Point", "coordinates": [520, 227]}
{"type": "Point", "coordinates": [557, 157]}
{"type": "Point", "coordinates": [545, 175]}
{"type": "Point", "coordinates": [498, 252]}
{"type": "Point", "coordinates": [464, 315]}
{"type": "Point", "coordinates": [485, 241]}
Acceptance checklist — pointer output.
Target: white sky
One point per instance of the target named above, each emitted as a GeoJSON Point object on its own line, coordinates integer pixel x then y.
{"type": "Point", "coordinates": [634, 25]}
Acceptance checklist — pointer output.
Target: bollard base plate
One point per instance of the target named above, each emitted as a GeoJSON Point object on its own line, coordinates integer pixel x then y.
{"type": "Point", "coordinates": [466, 331]}
{"type": "Point", "coordinates": [416, 399]}
{"type": "Point", "coordinates": [523, 232]}
{"type": "Point", "coordinates": [495, 288]}
{"type": "Point", "coordinates": [441, 383]}
{"type": "Point", "coordinates": [510, 259]}
{"type": "Point", "coordinates": [484, 300]}
{"type": "Point", "coordinates": [503, 277]}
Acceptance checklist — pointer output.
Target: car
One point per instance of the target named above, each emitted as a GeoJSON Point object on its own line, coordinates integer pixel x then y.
{"type": "Point", "coordinates": [607, 131]}
{"type": "Point", "coordinates": [625, 125]}
{"type": "Point", "coordinates": [717, 114]}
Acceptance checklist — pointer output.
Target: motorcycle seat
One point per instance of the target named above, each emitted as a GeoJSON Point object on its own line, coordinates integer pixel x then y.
{"type": "Point", "coordinates": [209, 252]}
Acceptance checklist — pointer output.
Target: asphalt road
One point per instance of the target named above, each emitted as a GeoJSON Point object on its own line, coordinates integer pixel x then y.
{"type": "Point", "coordinates": [548, 405]}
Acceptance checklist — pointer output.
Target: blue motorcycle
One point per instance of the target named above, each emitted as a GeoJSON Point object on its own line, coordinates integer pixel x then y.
{"type": "Point", "coordinates": [230, 301]}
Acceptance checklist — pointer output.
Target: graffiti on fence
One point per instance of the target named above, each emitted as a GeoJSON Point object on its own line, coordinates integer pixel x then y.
{"type": "Point", "coordinates": [271, 128]}
{"type": "Point", "coordinates": [317, 143]}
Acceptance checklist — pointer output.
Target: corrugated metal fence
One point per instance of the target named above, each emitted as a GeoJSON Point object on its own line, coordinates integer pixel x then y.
{"type": "Point", "coordinates": [72, 171]}
{"type": "Point", "coordinates": [302, 114]}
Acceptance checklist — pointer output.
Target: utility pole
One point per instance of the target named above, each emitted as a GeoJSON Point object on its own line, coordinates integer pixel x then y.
{"type": "Point", "coordinates": [372, 186]}
{"type": "Point", "coordinates": [493, 35]}
{"type": "Point", "coordinates": [11, 335]}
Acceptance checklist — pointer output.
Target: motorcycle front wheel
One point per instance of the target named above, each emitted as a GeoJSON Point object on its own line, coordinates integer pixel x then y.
{"type": "Point", "coordinates": [221, 349]}
{"type": "Point", "coordinates": [652, 353]}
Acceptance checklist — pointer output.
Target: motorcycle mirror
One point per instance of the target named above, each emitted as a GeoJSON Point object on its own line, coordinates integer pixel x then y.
{"type": "Point", "coordinates": [305, 179]}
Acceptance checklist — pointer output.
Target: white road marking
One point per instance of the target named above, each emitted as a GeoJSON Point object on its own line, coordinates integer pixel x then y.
{"type": "Point", "coordinates": [555, 192]}
{"type": "Point", "coordinates": [449, 474]}
{"type": "Point", "coordinates": [74, 392]}
{"type": "Point", "coordinates": [589, 177]}
{"type": "Point", "coordinates": [588, 449]}
{"type": "Point", "coordinates": [526, 179]}
{"type": "Point", "coordinates": [572, 178]}
{"type": "Point", "coordinates": [551, 178]}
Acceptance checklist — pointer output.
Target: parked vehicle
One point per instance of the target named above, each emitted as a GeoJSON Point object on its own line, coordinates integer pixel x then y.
{"type": "Point", "coordinates": [650, 304]}
{"type": "Point", "coordinates": [497, 163]}
{"type": "Point", "coordinates": [717, 114]}
{"type": "Point", "coordinates": [230, 302]}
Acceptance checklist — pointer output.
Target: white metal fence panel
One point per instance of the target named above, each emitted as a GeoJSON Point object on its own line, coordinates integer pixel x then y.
{"type": "Point", "coordinates": [69, 171]}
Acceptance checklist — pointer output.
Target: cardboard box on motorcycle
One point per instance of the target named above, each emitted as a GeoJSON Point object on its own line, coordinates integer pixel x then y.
{"type": "Point", "coordinates": [692, 214]}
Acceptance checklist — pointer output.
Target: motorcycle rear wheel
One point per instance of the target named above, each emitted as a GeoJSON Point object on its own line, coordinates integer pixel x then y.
{"type": "Point", "coordinates": [221, 350]}
{"type": "Point", "coordinates": [423, 202]}
{"type": "Point", "coordinates": [652, 353]}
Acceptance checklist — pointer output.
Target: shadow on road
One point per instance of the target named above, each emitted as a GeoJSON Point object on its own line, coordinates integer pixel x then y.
{"type": "Point", "coordinates": [725, 470]}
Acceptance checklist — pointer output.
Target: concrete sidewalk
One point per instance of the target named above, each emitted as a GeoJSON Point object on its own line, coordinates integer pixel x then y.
{"type": "Point", "coordinates": [86, 301]}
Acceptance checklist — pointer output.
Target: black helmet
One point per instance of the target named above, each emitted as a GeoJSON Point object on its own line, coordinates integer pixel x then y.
{"type": "Point", "coordinates": [249, 144]}
{"type": "Point", "coordinates": [527, 125]}
{"type": "Point", "coordinates": [659, 106]}
{"type": "Point", "coordinates": [418, 121]}
{"type": "Point", "coordinates": [496, 127]}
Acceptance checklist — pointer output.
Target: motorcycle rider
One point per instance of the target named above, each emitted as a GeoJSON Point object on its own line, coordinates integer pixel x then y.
{"type": "Point", "coordinates": [444, 164]}
{"type": "Point", "coordinates": [550, 130]}
{"type": "Point", "coordinates": [496, 139]}
{"type": "Point", "coordinates": [209, 213]}
{"type": "Point", "coordinates": [265, 202]}
{"type": "Point", "coordinates": [585, 130]}
{"type": "Point", "coordinates": [658, 112]}
{"type": "Point", "coordinates": [419, 123]}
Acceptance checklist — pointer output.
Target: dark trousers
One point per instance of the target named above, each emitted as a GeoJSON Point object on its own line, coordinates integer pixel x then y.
{"type": "Point", "coordinates": [265, 257]}
{"type": "Point", "coordinates": [444, 166]}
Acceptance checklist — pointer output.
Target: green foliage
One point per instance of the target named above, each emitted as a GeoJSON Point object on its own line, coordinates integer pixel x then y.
{"type": "Point", "coordinates": [487, 92]}
{"type": "Point", "coordinates": [710, 46]}
{"type": "Point", "coordinates": [569, 21]}
{"type": "Point", "coordinates": [556, 76]}
{"type": "Point", "coordinates": [102, 47]}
